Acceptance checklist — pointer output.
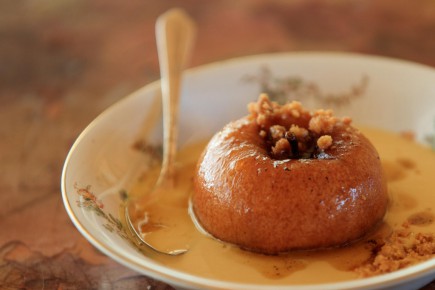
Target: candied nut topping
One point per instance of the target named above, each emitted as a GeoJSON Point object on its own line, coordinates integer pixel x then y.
{"type": "Point", "coordinates": [277, 132]}
{"type": "Point", "coordinates": [291, 132]}
{"type": "Point", "coordinates": [298, 132]}
{"type": "Point", "coordinates": [322, 122]}
{"type": "Point", "coordinates": [282, 147]}
{"type": "Point", "coordinates": [324, 142]}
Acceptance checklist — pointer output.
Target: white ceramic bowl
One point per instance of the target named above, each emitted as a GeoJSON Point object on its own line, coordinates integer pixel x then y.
{"type": "Point", "coordinates": [376, 91]}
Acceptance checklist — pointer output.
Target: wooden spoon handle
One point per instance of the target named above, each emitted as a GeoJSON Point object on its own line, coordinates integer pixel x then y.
{"type": "Point", "coordinates": [175, 33]}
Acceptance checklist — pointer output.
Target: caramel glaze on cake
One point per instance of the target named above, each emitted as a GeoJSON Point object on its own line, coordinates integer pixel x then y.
{"type": "Point", "coordinates": [283, 179]}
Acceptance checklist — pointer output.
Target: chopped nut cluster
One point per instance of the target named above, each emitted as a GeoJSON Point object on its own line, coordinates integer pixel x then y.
{"type": "Point", "coordinates": [291, 131]}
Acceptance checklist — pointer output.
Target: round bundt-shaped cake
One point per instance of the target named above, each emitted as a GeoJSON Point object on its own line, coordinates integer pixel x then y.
{"type": "Point", "coordinates": [283, 178]}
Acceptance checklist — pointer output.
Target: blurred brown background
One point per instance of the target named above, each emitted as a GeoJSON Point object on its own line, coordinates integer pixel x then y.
{"type": "Point", "coordinates": [64, 62]}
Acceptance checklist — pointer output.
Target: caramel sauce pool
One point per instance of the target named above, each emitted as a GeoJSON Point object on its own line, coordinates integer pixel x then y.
{"type": "Point", "coordinates": [409, 168]}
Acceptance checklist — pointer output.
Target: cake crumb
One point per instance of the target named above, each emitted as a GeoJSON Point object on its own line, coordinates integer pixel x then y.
{"type": "Point", "coordinates": [402, 249]}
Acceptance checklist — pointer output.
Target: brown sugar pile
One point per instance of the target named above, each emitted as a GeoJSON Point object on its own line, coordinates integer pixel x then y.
{"type": "Point", "coordinates": [291, 132]}
{"type": "Point", "coordinates": [402, 249]}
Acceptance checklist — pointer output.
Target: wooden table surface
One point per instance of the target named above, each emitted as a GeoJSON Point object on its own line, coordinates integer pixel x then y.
{"type": "Point", "coordinates": [64, 62]}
